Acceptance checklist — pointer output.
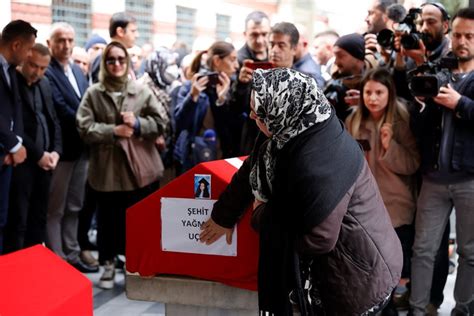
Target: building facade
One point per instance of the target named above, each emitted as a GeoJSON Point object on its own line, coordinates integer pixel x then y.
{"type": "Point", "coordinates": [160, 22]}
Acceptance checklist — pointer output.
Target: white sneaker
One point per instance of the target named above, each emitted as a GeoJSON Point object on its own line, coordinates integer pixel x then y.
{"type": "Point", "coordinates": [107, 279]}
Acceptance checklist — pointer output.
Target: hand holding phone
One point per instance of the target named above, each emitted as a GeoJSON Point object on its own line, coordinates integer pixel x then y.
{"type": "Point", "coordinates": [212, 79]}
{"type": "Point", "coordinates": [364, 143]}
{"type": "Point", "coordinates": [260, 65]}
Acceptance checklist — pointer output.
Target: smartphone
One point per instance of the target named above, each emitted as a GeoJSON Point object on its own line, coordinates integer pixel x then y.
{"type": "Point", "coordinates": [260, 65]}
{"type": "Point", "coordinates": [364, 143]}
{"type": "Point", "coordinates": [213, 79]}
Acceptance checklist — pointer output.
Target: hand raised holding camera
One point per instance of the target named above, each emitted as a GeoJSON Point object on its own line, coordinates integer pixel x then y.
{"type": "Point", "coordinates": [418, 55]}
{"type": "Point", "coordinates": [199, 84]}
{"type": "Point", "coordinates": [371, 42]}
{"type": "Point", "coordinates": [222, 87]}
{"type": "Point", "coordinates": [447, 97]}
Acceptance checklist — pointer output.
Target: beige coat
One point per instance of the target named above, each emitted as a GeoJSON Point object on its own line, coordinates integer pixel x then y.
{"type": "Point", "coordinates": [393, 168]}
{"type": "Point", "coordinates": [96, 118]}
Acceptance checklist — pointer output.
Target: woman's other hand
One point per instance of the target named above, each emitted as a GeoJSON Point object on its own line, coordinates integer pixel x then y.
{"type": "Point", "coordinates": [386, 133]}
{"type": "Point", "coordinates": [210, 232]}
{"type": "Point", "coordinates": [222, 87]}
{"type": "Point", "coordinates": [123, 130]}
{"type": "Point", "coordinates": [128, 118]}
{"type": "Point", "coordinates": [199, 83]}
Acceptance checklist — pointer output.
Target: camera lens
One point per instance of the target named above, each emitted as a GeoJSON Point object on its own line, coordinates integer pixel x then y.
{"type": "Point", "coordinates": [410, 41]}
{"type": "Point", "coordinates": [385, 38]}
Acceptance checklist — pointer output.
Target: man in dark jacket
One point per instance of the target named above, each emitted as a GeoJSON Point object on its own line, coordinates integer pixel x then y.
{"type": "Point", "coordinates": [447, 152]}
{"type": "Point", "coordinates": [68, 85]}
{"type": "Point", "coordinates": [257, 29]}
{"type": "Point", "coordinates": [42, 138]}
{"type": "Point", "coordinates": [433, 47]}
{"type": "Point", "coordinates": [283, 40]}
{"type": "Point", "coordinates": [15, 44]}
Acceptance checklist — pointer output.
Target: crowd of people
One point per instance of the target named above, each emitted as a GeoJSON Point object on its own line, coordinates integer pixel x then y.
{"type": "Point", "coordinates": [354, 167]}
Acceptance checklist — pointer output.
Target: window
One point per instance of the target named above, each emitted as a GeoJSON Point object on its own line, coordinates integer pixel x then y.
{"type": "Point", "coordinates": [185, 25]}
{"type": "Point", "coordinates": [142, 10]}
{"type": "Point", "coordinates": [222, 27]}
{"type": "Point", "coordinates": [75, 12]}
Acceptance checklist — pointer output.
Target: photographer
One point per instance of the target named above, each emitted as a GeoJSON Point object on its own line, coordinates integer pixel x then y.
{"type": "Point", "coordinates": [351, 62]}
{"type": "Point", "coordinates": [433, 45]}
{"type": "Point", "coordinates": [447, 163]}
{"type": "Point", "coordinates": [377, 20]}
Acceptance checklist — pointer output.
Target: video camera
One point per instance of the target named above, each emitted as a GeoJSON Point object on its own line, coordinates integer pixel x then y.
{"type": "Point", "coordinates": [411, 36]}
{"type": "Point", "coordinates": [433, 76]}
{"type": "Point", "coordinates": [335, 93]}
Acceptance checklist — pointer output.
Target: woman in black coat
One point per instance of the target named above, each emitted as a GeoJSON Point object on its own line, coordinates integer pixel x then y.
{"type": "Point", "coordinates": [316, 205]}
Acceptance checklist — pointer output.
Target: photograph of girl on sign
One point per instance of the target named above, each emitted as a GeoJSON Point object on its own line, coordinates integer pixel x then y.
{"type": "Point", "coordinates": [202, 186]}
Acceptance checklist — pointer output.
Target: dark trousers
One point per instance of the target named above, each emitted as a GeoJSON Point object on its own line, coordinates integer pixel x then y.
{"type": "Point", "coordinates": [85, 218]}
{"type": "Point", "coordinates": [441, 265]}
{"type": "Point", "coordinates": [29, 194]}
{"type": "Point", "coordinates": [111, 208]}
{"type": "Point", "coordinates": [406, 234]}
{"type": "Point", "coordinates": [440, 269]}
{"type": "Point", "coordinates": [5, 176]}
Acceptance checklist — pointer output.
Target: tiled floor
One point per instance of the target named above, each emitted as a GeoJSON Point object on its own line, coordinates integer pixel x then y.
{"type": "Point", "coordinates": [115, 303]}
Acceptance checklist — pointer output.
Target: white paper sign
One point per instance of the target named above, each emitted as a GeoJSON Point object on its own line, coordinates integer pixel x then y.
{"type": "Point", "coordinates": [181, 220]}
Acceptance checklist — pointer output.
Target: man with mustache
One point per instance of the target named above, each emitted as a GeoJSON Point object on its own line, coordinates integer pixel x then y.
{"type": "Point", "coordinates": [433, 46]}
{"type": "Point", "coordinates": [447, 151]}
{"type": "Point", "coordinates": [434, 29]}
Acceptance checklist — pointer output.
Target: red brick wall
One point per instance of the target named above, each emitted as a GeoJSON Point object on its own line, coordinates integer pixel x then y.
{"type": "Point", "coordinates": [100, 20]}
{"type": "Point", "coordinates": [31, 13]}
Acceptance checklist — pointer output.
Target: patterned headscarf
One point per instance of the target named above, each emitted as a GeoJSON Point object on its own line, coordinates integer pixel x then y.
{"type": "Point", "coordinates": [156, 66]}
{"type": "Point", "coordinates": [289, 103]}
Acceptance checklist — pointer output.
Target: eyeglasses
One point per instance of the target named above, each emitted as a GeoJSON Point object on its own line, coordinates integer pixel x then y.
{"type": "Point", "coordinates": [113, 61]}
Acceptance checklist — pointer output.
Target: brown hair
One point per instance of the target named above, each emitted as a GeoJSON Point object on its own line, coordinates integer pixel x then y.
{"type": "Point", "coordinates": [395, 110]}
{"type": "Point", "coordinates": [220, 48]}
{"type": "Point", "coordinates": [41, 49]}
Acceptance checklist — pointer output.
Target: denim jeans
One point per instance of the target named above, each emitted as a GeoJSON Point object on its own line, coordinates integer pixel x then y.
{"type": "Point", "coordinates": [434, 207]}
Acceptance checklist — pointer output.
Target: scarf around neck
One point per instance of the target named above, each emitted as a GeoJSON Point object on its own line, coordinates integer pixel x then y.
{"type": "Point", "coordinates": [289, 103]}
{"type": "Point", "coordinates": [110, 82]}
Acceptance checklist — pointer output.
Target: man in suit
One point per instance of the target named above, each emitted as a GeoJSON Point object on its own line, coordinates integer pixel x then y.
{"type": "Point", "coordinates": [68, 85]}
{"type": "Point", "coordinates": [15, 44]}
{"type": "Point", "coordinates": [42, 138]}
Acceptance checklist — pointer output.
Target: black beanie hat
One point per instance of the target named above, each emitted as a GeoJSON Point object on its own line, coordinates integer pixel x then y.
{"type": "Point", "coordinates": [352, 43]}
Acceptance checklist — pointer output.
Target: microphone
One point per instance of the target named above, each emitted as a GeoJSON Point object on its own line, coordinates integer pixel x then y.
{"type": "Point", "coordinates": [396, 12]}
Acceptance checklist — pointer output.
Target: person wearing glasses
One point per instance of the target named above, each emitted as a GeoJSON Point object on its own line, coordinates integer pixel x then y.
{"type": "Point", "coordinates": [114, 108]}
